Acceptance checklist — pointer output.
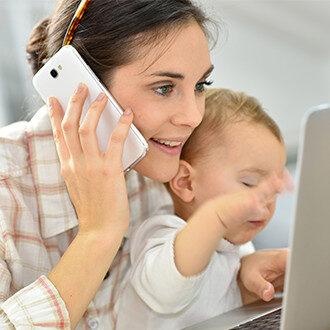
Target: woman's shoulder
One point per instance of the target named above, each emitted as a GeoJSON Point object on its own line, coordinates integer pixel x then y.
{"type": "Point", "coordinates": [15, 147]}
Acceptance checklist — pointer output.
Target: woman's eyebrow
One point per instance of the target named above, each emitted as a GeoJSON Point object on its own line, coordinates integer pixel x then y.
{"type": "Point", "coordinates": [176, 75]}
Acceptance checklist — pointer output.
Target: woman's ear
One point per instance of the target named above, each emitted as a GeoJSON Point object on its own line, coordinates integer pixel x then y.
{"type": "Point", "coordinates": [181, 184]}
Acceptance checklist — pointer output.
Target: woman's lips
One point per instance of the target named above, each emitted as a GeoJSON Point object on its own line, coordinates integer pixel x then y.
{"type": "Point", "coordinates": [168, 150]}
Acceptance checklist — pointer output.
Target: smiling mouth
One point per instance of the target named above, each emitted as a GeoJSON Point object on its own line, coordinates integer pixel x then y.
{"type": "Point", "coordinates": [170, 144]}
{"type": "Point", "coordinates": [169, 147]}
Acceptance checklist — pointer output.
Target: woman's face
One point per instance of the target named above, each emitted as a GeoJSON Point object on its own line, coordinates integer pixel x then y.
{"type": "Point", "coordinates": [165, 90]}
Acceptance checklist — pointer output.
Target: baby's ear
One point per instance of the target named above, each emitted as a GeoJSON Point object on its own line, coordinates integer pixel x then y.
{"type": "Point", "coordinates": [181, 184]}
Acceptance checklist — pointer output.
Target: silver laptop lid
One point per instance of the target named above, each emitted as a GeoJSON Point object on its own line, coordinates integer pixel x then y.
{"type": "Point", "coordinates": [307, 287]}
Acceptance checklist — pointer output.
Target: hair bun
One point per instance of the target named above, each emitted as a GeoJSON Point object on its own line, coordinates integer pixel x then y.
{"type": "Point", "coordinates": [36, 49]}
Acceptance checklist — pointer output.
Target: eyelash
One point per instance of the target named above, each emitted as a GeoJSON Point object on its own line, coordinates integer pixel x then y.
{"type": "Point", "coordinates": [166, 94]}
{"type": "Point", "coordinates": [248, 185]}
{"type": "Point", "coordinates": [203, 84]}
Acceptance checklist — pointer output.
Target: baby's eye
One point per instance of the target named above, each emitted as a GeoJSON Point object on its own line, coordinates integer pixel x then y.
{"type": "Point", "coordinates": [164, 90]}
{"type": "Point", "coordinates": [200, 87]}
{"type": "Point", "coordinates": [250, 185]}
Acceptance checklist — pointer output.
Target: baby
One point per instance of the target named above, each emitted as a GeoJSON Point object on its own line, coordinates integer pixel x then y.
{"type": "Point", "coordinates": [185, 259]}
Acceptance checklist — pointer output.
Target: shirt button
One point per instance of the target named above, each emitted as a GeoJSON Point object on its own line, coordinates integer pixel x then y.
{"type": "Point", "coordinates": [93, 323]}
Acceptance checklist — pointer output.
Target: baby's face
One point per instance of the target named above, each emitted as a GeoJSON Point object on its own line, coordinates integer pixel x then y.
{"type": "Point", "coordinates": [247, 153]}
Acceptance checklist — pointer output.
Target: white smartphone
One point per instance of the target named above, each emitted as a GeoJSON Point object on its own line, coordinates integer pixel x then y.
{"type": "Point", "coordinates": [60, 77]}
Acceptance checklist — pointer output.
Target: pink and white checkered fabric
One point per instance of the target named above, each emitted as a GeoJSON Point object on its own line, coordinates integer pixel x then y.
{"type": "Point", "coordinates": [38, 223]}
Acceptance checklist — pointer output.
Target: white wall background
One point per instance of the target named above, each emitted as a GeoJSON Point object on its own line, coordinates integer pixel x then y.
{"type": "Point", "coordinates": [17, 95]}
{"type": "Point", "coordinates": [327, 84]}
{"type": "Point", "coordinates": [278, 51]}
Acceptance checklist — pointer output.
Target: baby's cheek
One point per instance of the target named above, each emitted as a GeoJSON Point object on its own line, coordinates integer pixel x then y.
{"type": "Point", "coordinates": [271, 208]}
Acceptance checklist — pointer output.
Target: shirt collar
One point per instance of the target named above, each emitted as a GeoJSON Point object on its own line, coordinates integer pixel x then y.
{"type": "Point", "coordinates": [226, 246]}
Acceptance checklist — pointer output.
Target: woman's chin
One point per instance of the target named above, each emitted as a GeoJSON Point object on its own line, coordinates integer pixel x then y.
{"type": "Point", "coordinates": [157, 170]}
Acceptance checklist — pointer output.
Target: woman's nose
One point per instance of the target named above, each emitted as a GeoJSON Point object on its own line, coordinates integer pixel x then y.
{"type": "Point", "coordinates": [189, 112]}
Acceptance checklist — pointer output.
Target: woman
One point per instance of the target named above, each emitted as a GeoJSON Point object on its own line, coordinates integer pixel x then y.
{"type": "Point", "coordinates": [153, 56]}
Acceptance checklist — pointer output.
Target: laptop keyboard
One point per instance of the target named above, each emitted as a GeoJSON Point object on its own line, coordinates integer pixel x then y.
{"type": "Point", "coordinates": [268, 321]}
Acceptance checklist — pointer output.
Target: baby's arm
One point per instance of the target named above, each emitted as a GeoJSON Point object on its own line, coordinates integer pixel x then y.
{"type": "Point", "coordinates": [196, 242]}
{"type": "Point", "coordinates": [154, 275]}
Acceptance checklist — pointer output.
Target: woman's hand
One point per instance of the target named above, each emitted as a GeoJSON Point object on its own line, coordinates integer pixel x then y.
{"type": "Point", "coordinates": [95, 180]}
{"type": "Point", "coordinates": [262, 274]}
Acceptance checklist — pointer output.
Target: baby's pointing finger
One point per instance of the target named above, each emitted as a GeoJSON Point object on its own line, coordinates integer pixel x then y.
{"type": "Point", "coordinates": [269, 188]}
{"type": "Point", "coordinates": [288, 181]}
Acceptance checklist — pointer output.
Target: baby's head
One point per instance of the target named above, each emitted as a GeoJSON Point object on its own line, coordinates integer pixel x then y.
{"type": "Point", "coordinates": [236, 145]}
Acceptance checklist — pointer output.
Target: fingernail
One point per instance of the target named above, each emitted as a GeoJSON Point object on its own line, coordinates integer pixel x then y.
{"type": "Point", "coordinates": [266, 295]}
{"type": "Point", "coordinates": [127, 112]}
{"type": "Point", "coordinates": [50, 102]}
{"type": "Point", "coordinates": [80, 88]}
{"type": "Point", "coordinates": [100, 97]}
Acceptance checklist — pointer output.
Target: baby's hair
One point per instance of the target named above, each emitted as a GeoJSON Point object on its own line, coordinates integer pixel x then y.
{"type": "Point", "coordinates": [222, 107]}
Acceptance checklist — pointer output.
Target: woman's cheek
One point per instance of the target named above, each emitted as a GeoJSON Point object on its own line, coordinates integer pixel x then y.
{"type": "Point", "coordinates": [142, 121]}
{"type": "Point", "coordinates": [149, 121]}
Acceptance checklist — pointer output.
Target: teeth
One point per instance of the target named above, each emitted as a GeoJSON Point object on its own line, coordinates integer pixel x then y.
{"type": "Point", "coordinates": [168, 143]}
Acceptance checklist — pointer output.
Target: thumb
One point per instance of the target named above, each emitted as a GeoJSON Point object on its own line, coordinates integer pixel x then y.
{"type": "Point", "coordinates": [268, 292]}
{"type": "Point", "coordinates": [262, 288]}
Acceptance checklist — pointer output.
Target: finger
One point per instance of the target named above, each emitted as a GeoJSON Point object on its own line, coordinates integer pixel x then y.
{"type": "Point", "coordinates": [279, 262]}
{"type": "Point", "coordinates": [116, 144]}
{"type": "Point", "coordinates": [262, 288]}
{"type": "Point", "coordinates": [282, 258]}
{"type": "Point", "coordinates": [268, 292]}
{"type": "Point", "coordinates": [269, 188]}
{"type": "Point", "coordinates": [87, 130]}
{"type": "Point", "coordinates": [56, 116]}
{"type": "Point", "coordinates": [288, 182]}
{"type": "Point", "coordinates": [264, 212]}
{"type": "Point", "coordinates": [251, 205]}
{"type": "Point", "coordinates": [278, 283]}
{"type": "Point", "coordinates": [70, 123]}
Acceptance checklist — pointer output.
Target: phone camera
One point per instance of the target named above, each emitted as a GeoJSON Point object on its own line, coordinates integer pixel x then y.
{"type": "Point", "coordinates": [54, 73]}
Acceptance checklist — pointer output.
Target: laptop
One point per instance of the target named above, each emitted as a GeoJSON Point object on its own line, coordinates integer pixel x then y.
{"type": "Point", "coordinates": [306, 299]}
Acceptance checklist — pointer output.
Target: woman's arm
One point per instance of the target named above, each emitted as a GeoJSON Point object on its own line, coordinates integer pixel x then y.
{"type": "Point", "coordinates": [97, 189]}
{"type": "Point", "coordinates": [81, 270]}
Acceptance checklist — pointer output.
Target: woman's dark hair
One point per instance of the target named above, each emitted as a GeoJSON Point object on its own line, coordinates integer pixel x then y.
{"type": "Point", "coordinates": [111, 31]}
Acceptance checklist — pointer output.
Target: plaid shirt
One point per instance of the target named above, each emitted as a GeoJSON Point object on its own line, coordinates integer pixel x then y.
{"type": "Point", "coordinates": [38, 223]}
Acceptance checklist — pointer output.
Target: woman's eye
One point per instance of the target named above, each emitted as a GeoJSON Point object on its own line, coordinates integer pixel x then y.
{"type": "Point", "coordinates": [164, 90]}
{"type": "Point", "coordinates": [200, 87]}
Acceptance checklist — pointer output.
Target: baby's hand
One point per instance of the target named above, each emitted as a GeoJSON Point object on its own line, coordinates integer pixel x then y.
{"type": "Point", "coordinates": [249, 205]}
